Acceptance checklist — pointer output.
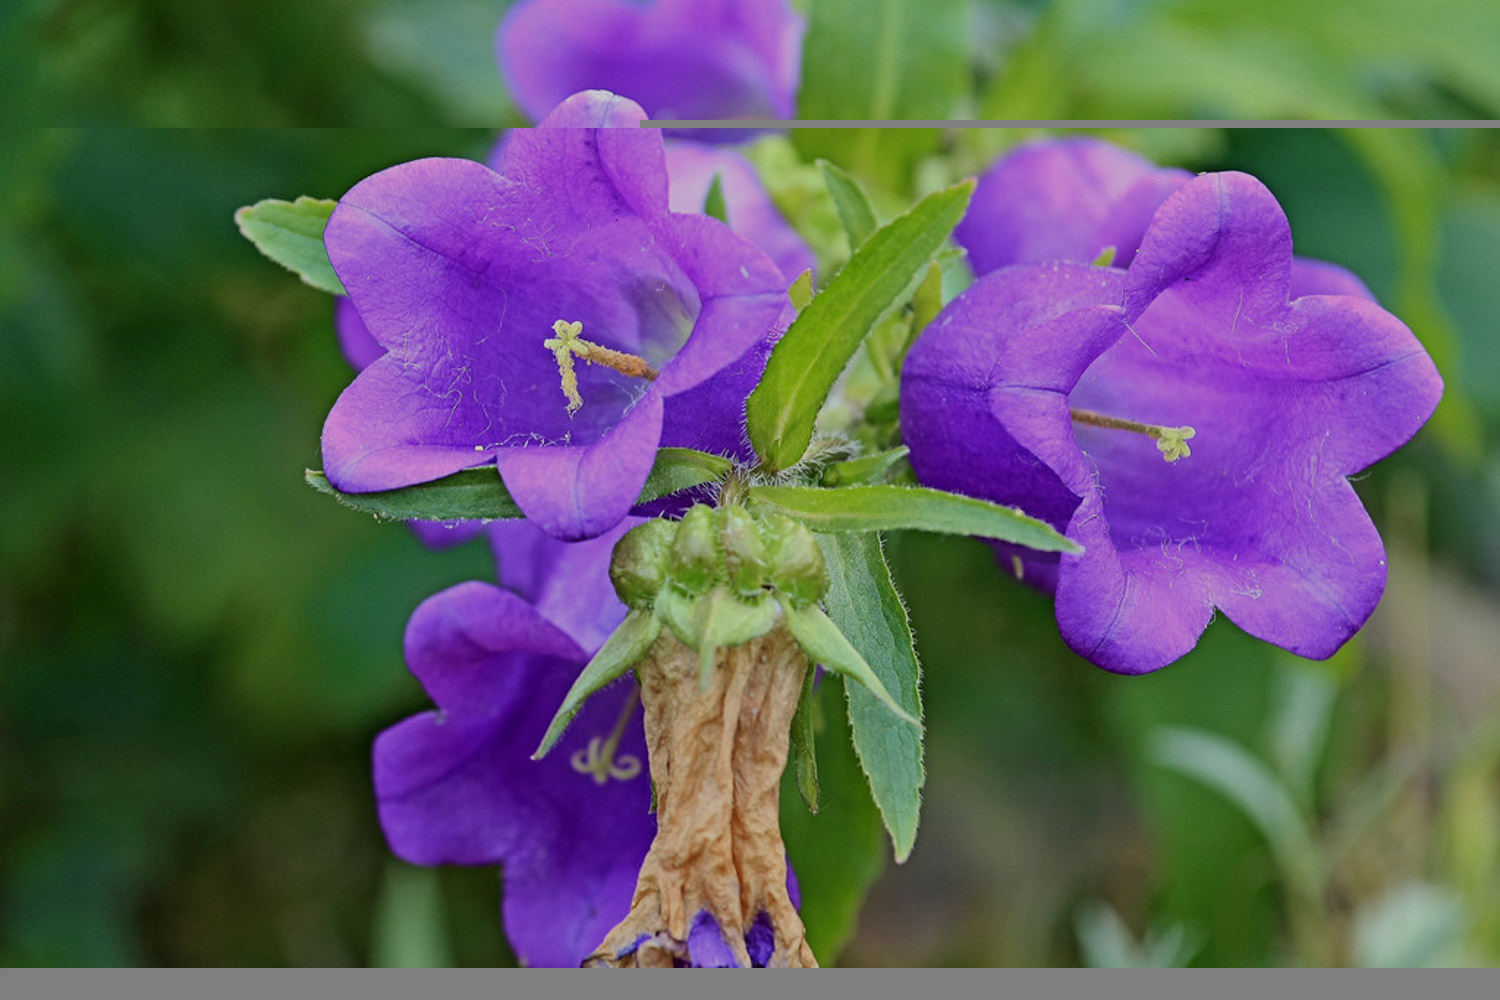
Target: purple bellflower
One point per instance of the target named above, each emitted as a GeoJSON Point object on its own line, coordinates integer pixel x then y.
{"type": "Point", "coordinates": [555, 318]}
{"type": "Point", "coordinates": [1071, 199]}
{"type": "Point", "coordinates": [1188, 421]}
{"type": "Point", "coordinates": [678, 59]}
{"type": "Point", "coordinates": [457, 785]}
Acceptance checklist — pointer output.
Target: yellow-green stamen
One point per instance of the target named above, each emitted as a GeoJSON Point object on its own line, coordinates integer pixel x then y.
{"type": "Point", "coordinates": [1170, 441]}
{"type": "Point", "coordinates": [568, 343]}
{"type": "Point", "coordinates": [598, 758]}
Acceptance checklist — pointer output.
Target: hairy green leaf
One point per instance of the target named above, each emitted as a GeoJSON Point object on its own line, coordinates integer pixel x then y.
{"type": "Point", "coordinates": [862, 601]}
{"type": "Point", "coordinates": [783, 409]}
{"type": "Point", "coordinates": [291, 234]}
{"type": "Point", "coordinates": [804, 753]}
{"type": "Point", "coordinates": [623, 649]}
{"type": "Point", "coordinates": [853, 205]}
{"type": "Point", "coordinates": [479, 495]}
{"type": "Point", "coordinates": [823, 643]}
{"type": "Point", "coordinates": [916, 508]}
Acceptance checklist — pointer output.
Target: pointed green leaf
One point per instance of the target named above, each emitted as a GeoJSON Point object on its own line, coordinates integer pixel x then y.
{"type": "Point", "coordinates": [291, 234]}
{"type": "Point", "coordinates": [863, 603]}
{"type": "Point", "coordinates": [713, 202]}
{"type": "Point", "coordinates": [866, 469]}
{"type": "Point", "coordinates": [479, 495]}
{"type": "Point", "coordinates": [804, 753]}
{"type": "Point", "coordinates": [678, 469]}
{"type": "Point", "coordinates": [821, 640]}
{"type": "Point", "coordinates": [917, 508]}
{"type": "Point", "coordinates": [624, 648]}
{"type": "Point", "coordinates": [473, 494]}
{"type": "Point", "coordinates": [853, 205]}
{"type": "Point", "coordinates": [806, 362]}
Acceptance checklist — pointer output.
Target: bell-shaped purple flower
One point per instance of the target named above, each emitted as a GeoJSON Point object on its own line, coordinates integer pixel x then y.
{"type": "Point", "coordinates": [470, 279]}
{"type": "Point", "coordinates": [1071, 199]}
{"type": "Point", "coordinates": [1188, 422]}
{"type": "Point", "coordinates": [678, 59]}
{"type": "Point", "coordinates": [457, 785]}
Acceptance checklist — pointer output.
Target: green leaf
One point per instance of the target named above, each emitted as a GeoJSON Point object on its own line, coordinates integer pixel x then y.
{"type": "Point", "coordinates": [804, 754]}
{"type": "Point", "coordinates": [1235, 773]}
{"type": "Point", "coordinates": [473, 494]}
{"type": "Point", "coordinates": [881, 60]}
{"type": "Point", "coordinates": [866, 469]}
{"type": "Point", "coordinates": [917, 508]}
{"type": "Point", "coordinates": [821, 640]}
{"type": "Point", "coordinates": [708, 622]}
{"type": "Point", "coordinates": [623, 649]}
{"type": "Point", "coordinates": [713, 202]}
{"type": "Point", "coordinates": [783, 409]}
{"type": "Point", "coordinates": [840, 852]}
{"type": "Point", "coordinates": [479, 495]}
{"type": "Point", "coordinates": [853, 205]}
{"type": "Point", "coordinates": [863, 603]}
{"type": "Point", "coordinates": [678, 469]}
{"type": "Point", "coordinates": [291, 234]}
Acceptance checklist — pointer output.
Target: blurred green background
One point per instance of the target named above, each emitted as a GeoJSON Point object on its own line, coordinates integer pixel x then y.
{"type": "Point", "coordinates": [196, 650]}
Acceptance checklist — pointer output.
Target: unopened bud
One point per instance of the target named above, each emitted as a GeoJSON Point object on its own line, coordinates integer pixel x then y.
{"type": "Point", "coordinates": [638, 567]}
{"type": "Point", "coordinates": [696, 563]}
{"type": "Point", "coordinates": [744, 552]}
{"type": "Point", "coordinates": [797, 569]}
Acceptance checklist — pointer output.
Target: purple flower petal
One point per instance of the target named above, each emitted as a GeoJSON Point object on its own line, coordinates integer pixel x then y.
{"type": "Point", "coordinates": [678, 59]}
{"type": "Point", "coordinates": [692, 167]}
{"type": "Point", "coordinates": [457, 786]}
{"type": "Point", "coordinates": [1063, 200]}
{"type": "Point", "coordinates": [459, 273]}
{"type": "Point", "coordinates": [707, 946]}
{"type": "Point", "coordinates": [1287, 399]}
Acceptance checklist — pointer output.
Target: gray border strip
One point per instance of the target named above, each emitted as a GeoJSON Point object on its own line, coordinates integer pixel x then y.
{"type": "Point", "coordinates": [782, 123]}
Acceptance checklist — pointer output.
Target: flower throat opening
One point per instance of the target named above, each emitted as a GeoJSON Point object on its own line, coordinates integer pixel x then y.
{"type": "Point", "coordinates": [1170, 441]}
{"type": "Point", "coordinates": [569, 343]}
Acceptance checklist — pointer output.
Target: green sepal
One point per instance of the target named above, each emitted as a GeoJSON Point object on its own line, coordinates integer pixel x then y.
{"type": "Point", "coordinates": [711, 621]}
{"type": "Point", "coordinates": [865, 470]}
{"type": "Point", "coordinates": [916, 508]}
{"type": "Point", "coordinates": [479, 495]}
{"type": "Point", "coordinates": [291, 234]}
{"type": "Point", "coordinates": [851, 202]}
{"type": "Point", "coordinates": [624, 648]}
{"type": "Point", "coordinates": [823, 643]}
{"type": "Point", "coordinates": [783, 409]}
{"type": "Point", "coordinates": [713, 202]}
{"type": "Point", "coordinates": [804, 753]}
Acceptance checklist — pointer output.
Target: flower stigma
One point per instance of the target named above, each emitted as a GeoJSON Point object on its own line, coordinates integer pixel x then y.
{"type": "Point", "coordinates": [598, 758]}
{"type": "Point", "coordinates": [1170, 441]}
{"type": "Point", "coordinates": [569, 343]}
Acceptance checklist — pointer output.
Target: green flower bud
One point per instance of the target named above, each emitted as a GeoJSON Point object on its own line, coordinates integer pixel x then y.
{"type": "Point", "coordinates": [797, 569]}
{"type": "Point", "coordinates": [697, 564]}
{"type": "Point", "coordinates": [638, 567]}
{"type": "Point", "coordinates": [744, 552]}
